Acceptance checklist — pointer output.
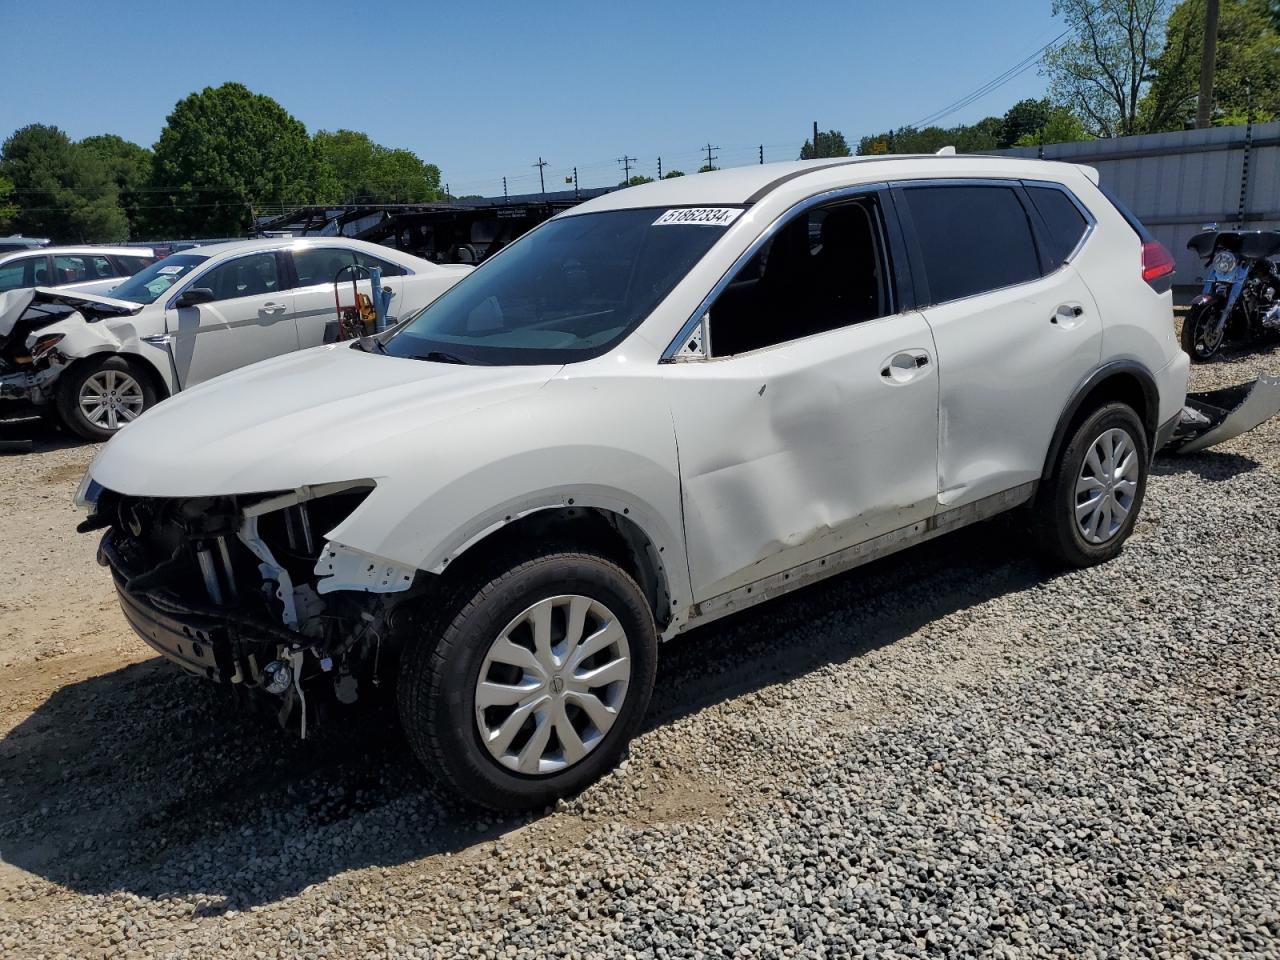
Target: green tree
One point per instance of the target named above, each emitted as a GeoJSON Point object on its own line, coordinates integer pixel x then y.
{"type": "Point", "coordinates": [707, 168]}
{"type": "Point", "coordinates": [1024, 118]}
{"type": "Point", "coordinates": [1060, 126]}
{"type": "Point", "coordinates": [130, 167]}
{"type": "Point", "coordinates": [636, 181]}
{"type": "Point", "coordinates": [831, 143]}
{"type": "Point", "coordinates": [352, 168]}
{"type": "Point", "coordinates": [62, 191]}
{"type": "Point", "coordinates": [7, 207]}
{"type": "Point", "coordinates": [1103, 70]}
{"type": "Point", "coordinates": [672, 173]}
{"type": "Point", "coordinates": [1246, 70]}
{"type": "Point", "coordinates": [225, 153]}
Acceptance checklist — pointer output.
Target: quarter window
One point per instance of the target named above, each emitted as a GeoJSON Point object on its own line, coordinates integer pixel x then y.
{"type": "Point", "coordinates": [972, 238]}
{"type": "Point", "coordinates": [1065, 222]}
{"type": "Point", "coordinates": [250, 276]}
{"type": "Point", "coordinates": [823, 270]}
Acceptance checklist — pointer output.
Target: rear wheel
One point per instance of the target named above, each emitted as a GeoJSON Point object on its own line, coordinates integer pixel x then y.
{"type": "Point", "coordinates": [1202, 338]}
{"type": "Point", "coordinates": [537, 684]}
{"type": "Point", "coordinates": [1089, 505]}
{"type": "Point", "coordinates": [97, 397]}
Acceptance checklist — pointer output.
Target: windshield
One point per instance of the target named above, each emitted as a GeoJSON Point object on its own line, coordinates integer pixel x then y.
{"type": "Point", "coordinates": [568, 291]}
{"type": "Point", "coordinates": [151, 283]}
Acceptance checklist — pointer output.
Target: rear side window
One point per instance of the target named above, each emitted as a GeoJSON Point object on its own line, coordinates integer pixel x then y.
{"type": "Point", "coordinates": [1066, 223]}
{"type": "Point", "coordinates": [317, 265]}
{"type": "Point", "coordinates": [972, 238]}
{"type": "Point", "coordinates": [131, 265]}
{"type": "Point", "coordinates": [388, 268]}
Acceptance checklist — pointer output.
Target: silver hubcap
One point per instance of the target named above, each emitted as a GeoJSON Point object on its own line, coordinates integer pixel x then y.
{"type": "Point", "coordinates": [110, 399]}
{"type": "Point", "coordinates": [1107, 484]}
{"type": "Point", "coordinates": [552, 684]}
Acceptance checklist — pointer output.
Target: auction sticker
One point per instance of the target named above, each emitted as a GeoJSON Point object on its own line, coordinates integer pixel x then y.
{"type": "Point", "coordinates": [706, 216]}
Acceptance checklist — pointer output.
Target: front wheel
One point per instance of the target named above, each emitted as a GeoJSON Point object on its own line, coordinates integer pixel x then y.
{"type": "Point", "coordinates": [1202, 337]}
{"type": "Point", "coordinates": [1089, 504]}
{"type": "Point", "coordinates": [537, 684]}
{"type": "Point", "coordinates": [95, 398]}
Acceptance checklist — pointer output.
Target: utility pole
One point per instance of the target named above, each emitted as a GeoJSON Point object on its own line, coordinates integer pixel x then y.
{"type": "Point", "coordinates": [542, 182]}
{"type": "Point", "coordinates": [1204, 105]}
{"type": "Point", "coordinates": [504, 189]}
{"type": "Point", "coordinates": [626, 168]}
{"type": "Point", "coordinates": [816, 152]}
{"type": "Point", "coordinates": [659, 168]}
{"type": "Point", "coordinates": [762, 153]}
{"type": "Point", "coordinates": [710, 164]}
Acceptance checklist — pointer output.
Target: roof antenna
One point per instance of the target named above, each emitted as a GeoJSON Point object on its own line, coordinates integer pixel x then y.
{"type": "Point", "coordinates": [947, 151]}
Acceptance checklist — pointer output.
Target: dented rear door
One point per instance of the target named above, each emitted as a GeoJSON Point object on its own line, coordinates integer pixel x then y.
{"type": "Point", "coordinates": [795, 451]}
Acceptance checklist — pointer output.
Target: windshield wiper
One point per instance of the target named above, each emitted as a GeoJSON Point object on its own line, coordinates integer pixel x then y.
{"type": "Point", "coordinates": [439, 356]}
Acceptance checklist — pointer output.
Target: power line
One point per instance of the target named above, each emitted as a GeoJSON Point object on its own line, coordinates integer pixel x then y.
{"type": "Point", "coordinates": [995, 83]}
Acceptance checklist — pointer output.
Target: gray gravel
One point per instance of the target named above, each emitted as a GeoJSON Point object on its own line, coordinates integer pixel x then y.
{"type": "Point", "coordinates": [950, 753]}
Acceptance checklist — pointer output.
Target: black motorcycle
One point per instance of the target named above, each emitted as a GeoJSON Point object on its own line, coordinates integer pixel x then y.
{"type": "Point", "coordinates": [1239, 299]}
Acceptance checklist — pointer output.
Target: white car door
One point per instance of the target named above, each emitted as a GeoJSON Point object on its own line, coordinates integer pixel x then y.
{"type": "Point", "coordinates": [315, 311]}
{"type": "Point", "coordinates": [1016, 332]}
{"type": "Point", "coordinates": [250, 318]}
{"type": "Point", "coordinates": [813, 425]}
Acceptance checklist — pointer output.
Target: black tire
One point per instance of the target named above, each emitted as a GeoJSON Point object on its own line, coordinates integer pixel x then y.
{"type": "Point", "coordinates": [1061, 539]}
{"type": "Point", "coordinates": [73, 381]}
{"type": "Point", "coordinates": [1200, 349]}
{"type": "Point", "coordinates": [436, 686]}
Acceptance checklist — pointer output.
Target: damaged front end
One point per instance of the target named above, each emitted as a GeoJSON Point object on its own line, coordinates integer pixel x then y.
{"type": "Point", "coordinates": [37, 325]}
{"type": "Point", "coordinates": [244, 590]}
{"type": "Point", "coordinates": [1215, 416]}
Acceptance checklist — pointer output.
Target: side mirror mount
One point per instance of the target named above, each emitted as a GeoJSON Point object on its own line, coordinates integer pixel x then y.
{"type": "Point", "coordinates": [194, 296]}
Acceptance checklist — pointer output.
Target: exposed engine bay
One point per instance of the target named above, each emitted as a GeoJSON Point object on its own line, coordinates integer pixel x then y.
{"type": "Point", "coordinates": [243, 590]}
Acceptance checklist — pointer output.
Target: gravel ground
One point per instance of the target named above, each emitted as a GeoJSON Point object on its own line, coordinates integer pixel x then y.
{"type": "Point", "coordinates": [948, 753]}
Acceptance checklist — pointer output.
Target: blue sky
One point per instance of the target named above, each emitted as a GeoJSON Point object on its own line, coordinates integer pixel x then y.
{"type": "Point", "coordinates": [484, 89]}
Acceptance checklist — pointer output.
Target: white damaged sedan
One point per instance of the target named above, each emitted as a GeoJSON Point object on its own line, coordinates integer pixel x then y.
{"type": "Point", "coordinates": [657, 408]}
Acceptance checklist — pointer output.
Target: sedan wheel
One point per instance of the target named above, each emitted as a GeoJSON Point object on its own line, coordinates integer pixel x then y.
{"type": "Point", "coordinates": [111, 398]}
{"type": "Point", "coordinates": [1107, 485]}
{"type": "Point", "coordinates": [552, 683]}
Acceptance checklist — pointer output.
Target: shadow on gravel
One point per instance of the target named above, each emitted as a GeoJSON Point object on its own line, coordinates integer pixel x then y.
{"type": "Point", "coordinates": [1211, 465]}
{"type": "Point", "coordinates": [16, 431]}
{"type": "Point", "coordinates": [150, 782]}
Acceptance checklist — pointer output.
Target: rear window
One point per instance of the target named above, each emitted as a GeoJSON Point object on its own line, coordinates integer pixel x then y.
{"type": "Point", "coordinates": [972, 238]}
{"type": "Point", "coordinates": [1066, 224]}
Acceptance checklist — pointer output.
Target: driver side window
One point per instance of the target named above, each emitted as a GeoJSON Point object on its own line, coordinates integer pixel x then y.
{"type": "Point", "coordinates": [824, 269]}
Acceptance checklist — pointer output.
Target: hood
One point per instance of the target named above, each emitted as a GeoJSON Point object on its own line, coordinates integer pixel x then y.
{"type": "Point", "coordinates": [15, 303]}
{"type": "Point", "coordinates": [326, 414]}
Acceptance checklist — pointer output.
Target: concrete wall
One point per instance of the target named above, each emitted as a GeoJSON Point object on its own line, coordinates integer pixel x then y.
{"type": "Point", "coordinates": [1176, 182]}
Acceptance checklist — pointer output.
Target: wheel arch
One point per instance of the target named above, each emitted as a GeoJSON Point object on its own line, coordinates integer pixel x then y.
{"type": "Point", "coordinates": [1126, 381]}
{"type": "Point", "coordinates": [605, 529]}
{"type": "Point", "coordinates": [138, 361]}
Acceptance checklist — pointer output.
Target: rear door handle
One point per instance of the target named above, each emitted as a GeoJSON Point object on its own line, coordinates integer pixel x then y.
{"type": "Point", "coordinates": [904, 366]}
{"type": "Point", "coordinates": [1067, 314]}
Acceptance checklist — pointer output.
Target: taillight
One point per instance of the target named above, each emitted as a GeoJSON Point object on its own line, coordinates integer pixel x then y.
{"type": "Point", "coordinates": [1157, 265]}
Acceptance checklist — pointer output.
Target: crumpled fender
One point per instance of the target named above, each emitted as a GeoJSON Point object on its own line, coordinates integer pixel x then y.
{"type": "Point", "coordinates": [1215, 416]}
{"type": "Point", "coordinates": [81, 339]}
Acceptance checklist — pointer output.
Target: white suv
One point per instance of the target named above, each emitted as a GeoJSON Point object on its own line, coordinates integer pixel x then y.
{"type": "Point", "coordinates": [660, 407]}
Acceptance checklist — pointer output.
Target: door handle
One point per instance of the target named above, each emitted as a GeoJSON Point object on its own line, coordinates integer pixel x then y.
{"type": "Point", "coordinates": [904, 366]}
{"type": "Point", "coordinates": [1067, 313]}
